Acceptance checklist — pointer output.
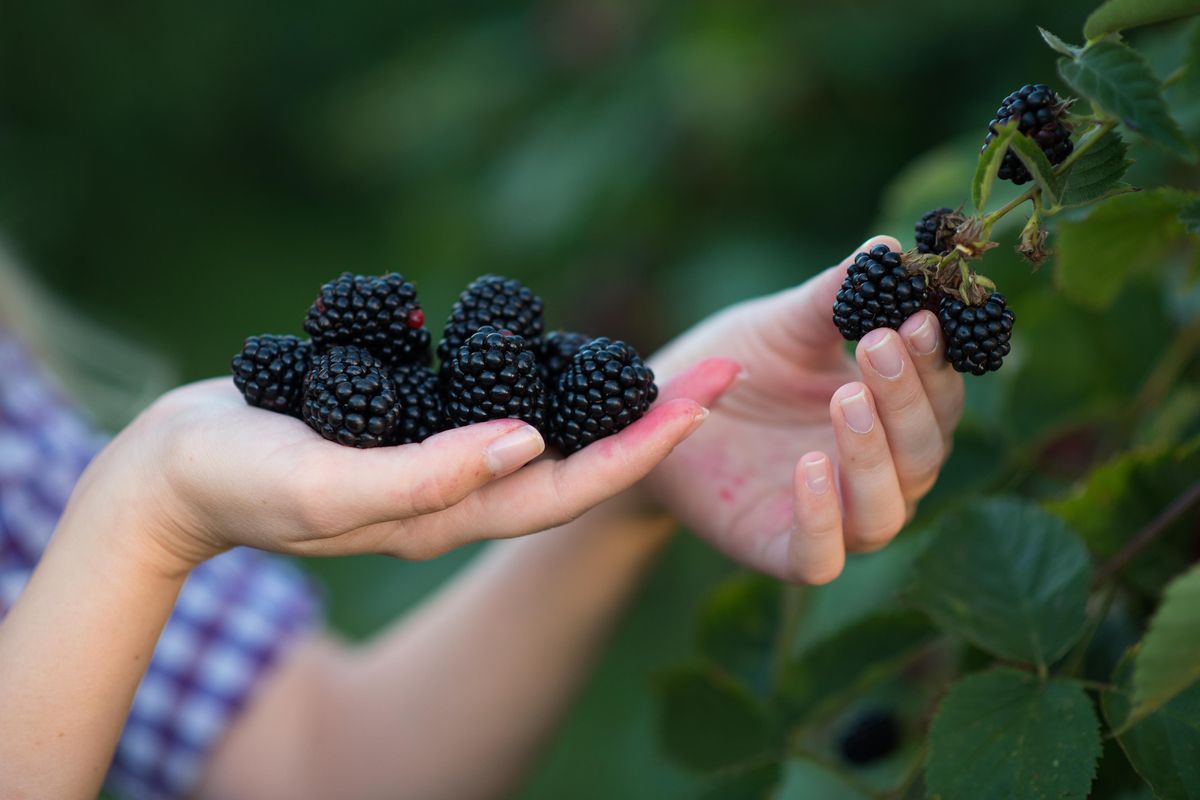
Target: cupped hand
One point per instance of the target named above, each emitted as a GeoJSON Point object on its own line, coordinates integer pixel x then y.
{"type": "Point", "coordinates": [814, 453]}
{"type": "Point", "coordinates": [211, 472]}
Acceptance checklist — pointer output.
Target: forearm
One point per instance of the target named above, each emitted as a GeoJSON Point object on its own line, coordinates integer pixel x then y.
{"type": "Point", "coordinates": [75, 645]}
{"type": "Point", "coordinates": [457, 700]}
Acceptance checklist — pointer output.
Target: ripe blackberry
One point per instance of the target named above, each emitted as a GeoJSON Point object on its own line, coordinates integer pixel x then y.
{"type": "Point", "coordinates": [1038, 110]}
{"type": "Point", "coordinates": [503, 303]}
{"type": "Point", "coordinates": [558, 348]}
{"type": "Point", "coordinates": [878, 292]}
{"type": "Point", "coordinates": [350, 398]}
{"type": "Point", "coordinates": [604, 390]}
{"type": "Point", "coordinates": [872, 736]}
{"type": "Point", "coordinates": [930, 232]}
{"type": "Point", "coordinates": [420, 404]}
{"type": "Point", "coordinates": [380, 314]}
{"type": "Point", "coordinates": [494, 375]}
{"type": "Point", "coordinates": [270, 370]}
{"type": "Point", "coordinates": [976, 336]}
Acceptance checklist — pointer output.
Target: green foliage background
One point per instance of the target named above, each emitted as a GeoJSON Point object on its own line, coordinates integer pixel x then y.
{"type": "Point", "coordinates": [189, 174]}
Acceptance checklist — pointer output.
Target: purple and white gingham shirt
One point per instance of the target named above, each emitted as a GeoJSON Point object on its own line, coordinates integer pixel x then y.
{"type": "Point", "coordinates": [235, 615]}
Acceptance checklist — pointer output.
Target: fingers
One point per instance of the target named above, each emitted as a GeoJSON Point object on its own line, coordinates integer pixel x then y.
{"type": "Point", "coordinates": [926, 346]}
{"type": "Point", "coordinates": [703, 383]}
{"type": "Point", "coordinates": [817, 552]}
{"type": "Point", "coordinates": [552, 492]}
{"type": "Point", "coordinates": [912, 431]}
{"type": "Point", "coordinates": [873, 506]}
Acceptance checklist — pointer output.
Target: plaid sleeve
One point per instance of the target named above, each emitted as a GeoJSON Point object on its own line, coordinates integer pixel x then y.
{"type": "Point", "coordinates": [236, 613]}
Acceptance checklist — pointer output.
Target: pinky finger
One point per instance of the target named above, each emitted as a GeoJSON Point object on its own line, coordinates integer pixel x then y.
{"type": "Point", "coordinates": [817, 551]}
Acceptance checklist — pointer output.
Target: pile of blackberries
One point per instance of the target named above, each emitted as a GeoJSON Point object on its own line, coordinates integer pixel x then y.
{"type": "Point", "coordinates": [363, 379]}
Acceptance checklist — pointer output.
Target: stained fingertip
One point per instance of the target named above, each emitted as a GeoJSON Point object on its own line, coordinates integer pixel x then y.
{"type": "Point", "coordinates": [705, 382]}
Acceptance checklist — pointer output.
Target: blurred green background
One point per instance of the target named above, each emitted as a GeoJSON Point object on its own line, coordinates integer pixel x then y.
{"type": "Point", "coordinates": [189, 174]}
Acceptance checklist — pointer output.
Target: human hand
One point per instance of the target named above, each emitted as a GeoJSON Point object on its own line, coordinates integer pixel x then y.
{"type": "Point", "coordinates": [815, 453]}
{"type": "Point", "coordinates": [210, 472]}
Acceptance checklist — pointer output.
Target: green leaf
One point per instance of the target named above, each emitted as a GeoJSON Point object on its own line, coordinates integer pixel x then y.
{"type": "Point", "coordinates": [1007, 576]}
{"type": "Point", "coordinates": [1097, 172]}
{"type": "Point", "coordinates": [1118, 238]}
{"type": "Point", "coordinates": [1164, 747]}
{"type": "Point", "coordinates": [1119, 15]}
{"type": "Point", "coordinates": [1003, 735]}
{"type": "Point", "coordinates": [1169, 659]}
{"type": "Point", "coordinates": [1058, 44]}
{"type": "Point", "coordinates": [709, 721]}
{"type": "Point", "coordinates": [989, 164]}
{"type": "Point", "coordinates": [1120, 80]}
{"type": "Point", "coordinates": [755, 783]}
{"type": "Point", "coordinates": [1190, 216]}
{"type": "Point", "coordinates": [1039, 167]}
{"type": "Point", "coordinates": [808, 780]}
{"type": "Point", "coordinates": [850, 658]}
{"type": "Point", "coordinates": [739, 623]}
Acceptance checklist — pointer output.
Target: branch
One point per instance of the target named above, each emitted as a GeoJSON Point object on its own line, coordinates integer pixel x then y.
{"type": "Point", "coordinates": [1147, 535]}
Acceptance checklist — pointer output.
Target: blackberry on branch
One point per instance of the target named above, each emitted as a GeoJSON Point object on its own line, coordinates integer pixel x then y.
{"type": "Point", "coordinates": [558, 348]}
{"type": "Point", "coordinates": [1038, 111]}
{"type": "Point", "coordinates": [605, 389]}
{"type": "Point", "coordinates": [380, 314]}
{"type": "Point", "coordinates": [269, 372]}
{"type": "Point", "coordinates": [503, 303]}
{"type": "Point", "coordinates": [420, 402]}
{"type": "Point", "coordinates": [350, 398]}
{"type": "Point", "coordinates": [932, 231]}
{"type": "Point", "coordinates": [977, 336]}
{"type": "Point", "coordinates": [494, 375]}
{"type": "Point", "coordinates": [872, 736]}
{"type": "Point", "coordinates": [878, 292]}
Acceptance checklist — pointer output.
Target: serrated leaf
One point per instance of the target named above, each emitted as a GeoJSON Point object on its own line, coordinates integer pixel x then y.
{"type": "Point", "coordinates": [1039, 167]}
{"type": "Point", "coordinates": [1058, 45]}
{"type": "Point", "coordinates": [831, 668]}
{"type": "Point", "coordinates": [1120, 80]}
{"type": "Point", "coordinates": [1119, 237]}
{"type": "Point", "coordinates": [1119, 15]}
{"type": "Point", "coordinates": [755, 783]}
{"type": "Point", "coordinates": [1007, 576]}
{"type": "Point", "coordinates": [989, 164]}
{"type": "Point", "coordinates": [1003, 735]}
{"type": "Point", "coordinates": [739, 622]}
{"type": "Point", "coordinates": [1097, 172]}
{"type": "Point", "coordinates": [1164, 747]}
{"type": "Point", "coordinates": [1169, 659]}
{"type": "Point", "coordinates": [708, 721]}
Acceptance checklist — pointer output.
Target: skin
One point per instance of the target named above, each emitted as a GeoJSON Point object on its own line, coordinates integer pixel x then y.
{"type": "Point", "coordinates": [807, 454]}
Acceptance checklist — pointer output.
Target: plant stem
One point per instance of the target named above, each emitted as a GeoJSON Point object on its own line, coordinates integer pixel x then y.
{"type": "Point", "coordinates": [1147, 535]}
{"type": "Point", "coordinates": [914, 773]}
{"type": "Point", "coordinates": [1075, 661]}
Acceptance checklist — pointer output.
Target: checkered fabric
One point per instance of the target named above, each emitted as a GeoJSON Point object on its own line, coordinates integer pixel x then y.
{"type": "Point", "coordinates": [235, 615]}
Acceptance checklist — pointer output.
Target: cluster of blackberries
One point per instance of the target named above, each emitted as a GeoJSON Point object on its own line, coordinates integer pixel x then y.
{"type": "Point", "coordinates": [1038, 112]}
{"type": "Point", "coordinates": [364, 380]}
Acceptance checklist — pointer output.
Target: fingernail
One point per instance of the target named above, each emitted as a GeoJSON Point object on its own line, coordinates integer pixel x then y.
{"type": "Point", "coordinates": [701, 415]}
{"type": "Point", "coordinates": [816, 476]}
{"type": "Point", "coordinates": [923, 339]}
{"type": "Point", "coordinates": [885, 357]}
{"type": "Point", "coordinates": [857, 411]}
{"type": "Point", "coordinates": [514, 449]}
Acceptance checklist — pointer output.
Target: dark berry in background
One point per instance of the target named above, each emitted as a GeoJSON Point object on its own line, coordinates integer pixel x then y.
{"type": "Point", "coordinates": [494, 375]}
{"type": "Point", "coordinates": [1038, 111]}
{"type": "Point", "coordinates": [558, 348]}
{"type": "Point", "coordinates": [977, 337]}
{"type": "Point", "coordinates": [420, 404]}
{"type": "Point", "coordinates": [878, 292]}
{"type": "Point", "coordinates": [380, 314]}
{"type": "Point", "coordinates": [270, 370]}
{"type": "Point", "coordinates": [871, 736]}
{"type": "Point", "coordinates": [503, 303]}
{"type": "Point", "coordinates": [605, 389]}
{"type": "Point", "coordinates": [929, 234]}
{"type": "Point", "coordinates": [349, 398]}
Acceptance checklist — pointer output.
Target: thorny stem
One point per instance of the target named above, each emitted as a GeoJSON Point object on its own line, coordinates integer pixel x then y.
{"type": "Point", "coordinates": [1147, 535]}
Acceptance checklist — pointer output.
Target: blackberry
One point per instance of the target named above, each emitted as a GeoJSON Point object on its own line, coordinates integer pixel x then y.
{"type": "Point", "coordinates": [1037, 109]}
{"type": "Point", "coordinates": [503, 303]}
{"type": "Point", "coordinates": [931, 232]}
{"type": "Point", "coordinates": [494, 375]}
{"type": "Point", "coordinates": [420, 403]}
{"type": "Point", "coordinates": [870, 737]}
{"type": "Point", "coordinates": [380, 314]}
{"type": "Point", "coordinates": [878, 292]}
{"type": "Point", "coordinates": [558, 348]}
{"type": "Point", "coordinates": [604, 390]}
{"type": "Point", "coordinates": [976, 336]}
{"type": "Point", "coordinates": [350, 398]}
{"type": "Point", "coordinates": [270, 370]}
